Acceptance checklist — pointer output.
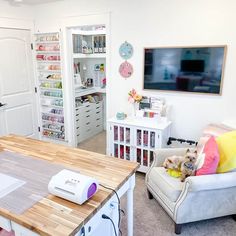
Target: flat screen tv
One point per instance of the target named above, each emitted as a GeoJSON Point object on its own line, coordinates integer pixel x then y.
{"type": "Point", "coordinates": [186, 69]}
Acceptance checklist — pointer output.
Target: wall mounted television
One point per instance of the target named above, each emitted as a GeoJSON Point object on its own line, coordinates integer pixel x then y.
{"type": "Point", "coordinates": [185, 69]}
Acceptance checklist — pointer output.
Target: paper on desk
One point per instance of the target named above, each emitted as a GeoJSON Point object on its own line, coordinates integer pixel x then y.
{"type": "Point", "coordinates": [8, 184]}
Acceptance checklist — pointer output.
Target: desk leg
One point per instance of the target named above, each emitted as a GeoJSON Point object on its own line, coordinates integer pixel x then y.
{"type": "Point", "coordinates": [130, 206]}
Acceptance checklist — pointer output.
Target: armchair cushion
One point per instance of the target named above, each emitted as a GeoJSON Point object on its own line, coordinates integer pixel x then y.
{"type": "Point", "coordinates": [211, 182]}
{"type": "Point", "coordinates": [169, 186]}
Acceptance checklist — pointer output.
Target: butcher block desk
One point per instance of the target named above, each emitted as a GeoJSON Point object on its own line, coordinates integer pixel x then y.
{"type": "Point", "coordinates": [55, 216]}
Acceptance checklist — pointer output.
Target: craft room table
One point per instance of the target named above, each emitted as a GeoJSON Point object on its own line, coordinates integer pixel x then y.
{"type": "Point", "coordinates": [57, 217]}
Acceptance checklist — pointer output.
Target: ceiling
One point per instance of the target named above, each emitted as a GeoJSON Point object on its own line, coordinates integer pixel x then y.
{"type": "Point", "coordinates": [33, 2]}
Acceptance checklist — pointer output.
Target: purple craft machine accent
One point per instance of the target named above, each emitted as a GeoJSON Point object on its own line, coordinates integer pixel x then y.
{"type": "Point", "coordinates": [92, 190]}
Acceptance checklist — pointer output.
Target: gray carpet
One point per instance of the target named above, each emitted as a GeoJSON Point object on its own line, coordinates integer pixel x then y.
{"type": "Point", "coordinates": [96, 143]}
{"type": "Point", "coordinates": [151, 220]}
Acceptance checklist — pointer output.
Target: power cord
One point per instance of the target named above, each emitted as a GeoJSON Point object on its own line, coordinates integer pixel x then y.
{"type": "Point", "coordinates": [119, 209]}
{"type": "Point", "coordinates": [108, 218]}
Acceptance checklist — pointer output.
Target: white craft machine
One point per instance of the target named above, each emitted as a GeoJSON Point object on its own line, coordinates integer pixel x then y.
{"type": "Point", "coordinates": [73, 186]}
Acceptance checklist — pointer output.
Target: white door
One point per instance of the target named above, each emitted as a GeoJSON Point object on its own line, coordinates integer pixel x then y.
{"type": "Point", "coordinates": [17, 97]}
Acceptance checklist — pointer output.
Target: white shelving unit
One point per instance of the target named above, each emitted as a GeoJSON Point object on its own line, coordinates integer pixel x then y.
{"type": "Point", "coordinates": [88, 48]}
{"type": "Point", "coordinates": [50, 84]}
{"type": "Point", "coordinates": [135, 139]}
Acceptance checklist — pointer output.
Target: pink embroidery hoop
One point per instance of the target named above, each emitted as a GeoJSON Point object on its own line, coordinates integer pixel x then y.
{"type": "Point", "coordinates": [126, 69]}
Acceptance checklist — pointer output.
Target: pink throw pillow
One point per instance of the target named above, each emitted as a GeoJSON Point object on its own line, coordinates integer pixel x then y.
{"type": "Point", "coordinates": [211, 159]}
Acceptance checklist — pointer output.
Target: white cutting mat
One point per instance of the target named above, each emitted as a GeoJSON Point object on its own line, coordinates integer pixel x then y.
{"type": "Point", "coordinates": [24, 180]}
{"type": "Point", "coordinates": [9, 184]}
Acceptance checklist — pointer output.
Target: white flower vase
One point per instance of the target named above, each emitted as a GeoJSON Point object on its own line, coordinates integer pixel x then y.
{"type": "Point", "coordinates": [135, 107]}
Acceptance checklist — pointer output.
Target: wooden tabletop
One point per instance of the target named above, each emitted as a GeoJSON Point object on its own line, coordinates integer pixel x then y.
{"type": "Point", "coordinates": [53, 215]}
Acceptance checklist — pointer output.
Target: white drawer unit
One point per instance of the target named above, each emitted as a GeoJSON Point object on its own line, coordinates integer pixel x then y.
{"type": "Point", "coordinates": [136, 139]}
{"type": "Point", "coordinates": [89, 120]}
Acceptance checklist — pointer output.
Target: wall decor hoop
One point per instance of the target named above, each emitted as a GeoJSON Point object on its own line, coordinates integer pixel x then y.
{"type": "Point", "coordinates": [126, 50]}
{"type": "Point", "coordinates": [126, 69]}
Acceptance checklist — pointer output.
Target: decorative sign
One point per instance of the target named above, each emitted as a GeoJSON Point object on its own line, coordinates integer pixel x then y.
{"type": "Point", "coordinates": [126, 69]}
{"type": "Point", "coordinates": [126, 50]}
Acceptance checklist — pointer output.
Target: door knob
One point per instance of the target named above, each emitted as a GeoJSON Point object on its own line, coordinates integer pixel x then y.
{"type": "Point", "coordinates": [1, 104]}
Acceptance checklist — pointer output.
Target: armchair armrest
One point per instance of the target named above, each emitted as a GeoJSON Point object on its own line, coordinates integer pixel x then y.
{"type": "Point", "coordinates": [161, 154]}
{"type": "Point", "coordinates": [211, 182]}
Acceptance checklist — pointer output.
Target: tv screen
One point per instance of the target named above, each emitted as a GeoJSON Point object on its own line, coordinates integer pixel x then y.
{"type": "Point", "coordinates": [187, 69]}
{"type": "Point", "coordinates": [192, 66]}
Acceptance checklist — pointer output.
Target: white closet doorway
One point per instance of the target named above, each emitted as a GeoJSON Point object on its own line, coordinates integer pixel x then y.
{"type": "Point", "coordinates": [86, 43]}
{"type": "Point", "coordinates": [17, 96]}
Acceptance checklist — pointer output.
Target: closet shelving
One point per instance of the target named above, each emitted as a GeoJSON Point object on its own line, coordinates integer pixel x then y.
{"type": "Point", "coordinates": [89, 74]}
{"type": "Point", "coordinates": [81, 55]}
{"type": "Point", "coordinates": [51, 94]}
{"type": "Point", "coordinates": [89, 56]}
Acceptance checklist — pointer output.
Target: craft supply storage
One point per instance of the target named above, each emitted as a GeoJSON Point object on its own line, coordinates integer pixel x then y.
{"type": "Point", "coordinates": [136, 139]}
{"type": "Point", "coordinates": [88, 66]}
{"type": "Point", "coordinates": [50, 84]}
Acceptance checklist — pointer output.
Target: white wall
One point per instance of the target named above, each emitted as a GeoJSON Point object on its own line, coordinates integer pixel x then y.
{"type": "Point", "coordinates": [161, 23]}
{"type": "Point", "coordinates": [10, 11]}
{"type": "Point", "coordinates": [16, 16]}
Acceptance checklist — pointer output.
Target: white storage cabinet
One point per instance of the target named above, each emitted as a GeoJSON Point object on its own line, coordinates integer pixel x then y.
{"type": "Point", "coordinates": [135, 139]}
{"type": "Point", "coordinates": [89, 120]}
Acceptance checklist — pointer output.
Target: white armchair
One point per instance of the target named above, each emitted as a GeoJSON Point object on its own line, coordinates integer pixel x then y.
{"type": "Point", "coordinates": [198, 198]}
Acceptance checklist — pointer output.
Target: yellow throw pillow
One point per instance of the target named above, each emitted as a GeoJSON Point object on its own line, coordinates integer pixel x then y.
{"type": "Point", "coordinates": [227, 149]}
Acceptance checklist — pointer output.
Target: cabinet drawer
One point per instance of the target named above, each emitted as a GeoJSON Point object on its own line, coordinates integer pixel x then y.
{"type": "Point", "coordinates": [97, 128]}
{"type": "Point", "coordinates": [80, 138]}
{"type": "Point", "coordinates": [83, 108]}
{"type": "Point", "coordinates": [90, 110]}
{"type": "Point", "coordinates": [98, 120]}
{"type": "Point", "coordinates": [84, 125]}
{"type": "Point", "coordinates": [87, 116]}
{"type": "Point", "coordinates": [98, 107]}
{"type": "Point", "coordinates": [84, 113]}
{"type": "Point", "coordinates": [88, 125]}
{"type": "Point", "coordinates": [82, 120]}
{"type": "Point", "coordinates": [79, 130]}
{"type": "Point", "coordinates": [96, 104]}
{"type": "Point", "coordinates": [77, 111]}
{"type": "Point", "coordinates": [88, 132]}
{"type": "Point", "coordinates": [87, 111]}
{"type": "Point", "coordinates": [98, 114]}
{"type": "Point", "coordinates": [5, 223]}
